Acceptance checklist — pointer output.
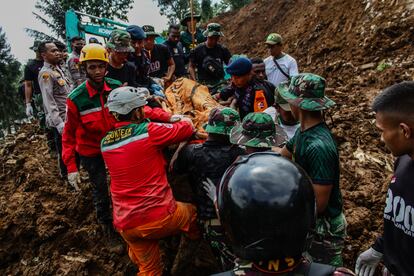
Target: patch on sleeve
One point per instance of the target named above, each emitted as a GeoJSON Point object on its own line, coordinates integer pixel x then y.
{"type": "Point", "coordinates": [45, 76]}
{"type": "Point", "coordinates": [61, 82]}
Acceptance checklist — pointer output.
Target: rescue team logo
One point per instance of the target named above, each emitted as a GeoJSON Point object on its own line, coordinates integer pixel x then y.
{"type": "Point", "coordinates": [401, 214]}
{"type": "Point", "coordinates": [117, 134]}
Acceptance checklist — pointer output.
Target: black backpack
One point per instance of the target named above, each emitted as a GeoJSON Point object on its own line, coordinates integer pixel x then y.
{"type": "Point", "coordinates": [212, 66]}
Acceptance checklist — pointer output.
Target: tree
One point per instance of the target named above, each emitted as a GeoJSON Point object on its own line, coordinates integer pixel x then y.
{"type": "Point", "coordinates": [52, 13]}
{"type": "Point", "coordinates": [220, 7]}
{"type": "Point", "coordinates": [10, 108]}
{"type": "Point", "coordinates": [174, 10]}
{"type": "Point", "coordinates": [206, 10]}
{"type": "Point", "coordinates": [236, 4]}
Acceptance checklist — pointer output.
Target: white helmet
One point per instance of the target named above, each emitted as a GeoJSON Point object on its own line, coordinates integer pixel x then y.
{"type": "Point", "coordinates": [123, 100]}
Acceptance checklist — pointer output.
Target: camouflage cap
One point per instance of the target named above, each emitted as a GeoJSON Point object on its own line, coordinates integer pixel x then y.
{"type": "Point", "coordinates": [280, 101]}
{"type": "Point", "coordinates": [120, 41]}
{"type": "Point", "coordinates": [149, 30]}
{"type": "Point", "coordinates": [187, 17]}
{"type": "Point", "coordinates": [222, 120]}
{"type": "Point", "coordinates": [213, 29]}
{"type": "Point", "coordinates": [306, 91]}
{"type": "Point", "coordinates": [274, 39]}
{"type": "Point", "coordinates": [259, 131]}
{"type": "Point", "coordinates": [35, 46]}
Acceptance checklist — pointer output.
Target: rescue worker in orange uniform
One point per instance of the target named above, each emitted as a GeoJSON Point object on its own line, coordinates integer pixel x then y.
{"type": "Point", "coordinates": [144, 208]}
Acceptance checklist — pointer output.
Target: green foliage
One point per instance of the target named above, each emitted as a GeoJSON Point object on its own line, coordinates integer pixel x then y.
{"type": "Point", "coordinates": [174, 10]}
{"type": "Point", "coordinates": [220, 7]}
{"type": "Point", "coordinates": [10, 104]}
{"type": "Point", "coordinates": [383, 65]}
{"type": "Point", "coordinates": [206, 10]}
{"type": "Point", "coordinates": [236, 4]}
{"type": "Point", "coordinates": [52, 13]}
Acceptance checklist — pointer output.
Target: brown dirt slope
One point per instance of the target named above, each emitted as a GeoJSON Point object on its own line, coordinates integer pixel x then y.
{"type": "Point", "coordinates": [360, 47]}
{"type": "Point", "coordinates": [46, 229]}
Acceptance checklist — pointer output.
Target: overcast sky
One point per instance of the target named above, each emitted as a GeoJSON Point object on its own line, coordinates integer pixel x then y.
{"type": "Point", "coordinates": [15, 15]}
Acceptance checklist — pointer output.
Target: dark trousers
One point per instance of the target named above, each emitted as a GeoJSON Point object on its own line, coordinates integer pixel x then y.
{"type": "Point", "coordinates": [95, 166]}
{"type": "Point", "coordinates": [58, 143]}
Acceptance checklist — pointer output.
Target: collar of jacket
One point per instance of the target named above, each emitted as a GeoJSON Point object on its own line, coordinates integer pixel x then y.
{"type": "Point", "coordinates": [92, 91]}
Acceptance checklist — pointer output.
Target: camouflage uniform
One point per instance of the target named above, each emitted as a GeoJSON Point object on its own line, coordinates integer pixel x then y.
{"type": "Point", "coordinates": [258, 130]}
{"type": "Point", "coordinates": [120, 41]}
{"type": "Point", "coordinates": [315, 150]}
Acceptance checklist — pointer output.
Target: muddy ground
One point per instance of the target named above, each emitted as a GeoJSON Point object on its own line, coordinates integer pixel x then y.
{"type": "Point", "coordinates": [359, 46]}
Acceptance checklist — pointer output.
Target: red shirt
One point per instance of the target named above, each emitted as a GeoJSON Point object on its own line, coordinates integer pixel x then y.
{"type": "Point", "coordinates": [139, 187]}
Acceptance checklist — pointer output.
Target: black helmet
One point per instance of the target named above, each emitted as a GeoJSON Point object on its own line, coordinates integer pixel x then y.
{"type": "Point", "coordinates": [267, 207]}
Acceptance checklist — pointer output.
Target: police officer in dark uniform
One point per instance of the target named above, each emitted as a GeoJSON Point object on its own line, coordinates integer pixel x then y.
{"type": "Point", "coordinates": [31, 85]}
{"type": "Point", "coordinates": [177, 50]}
{"type": "Point", "coordinates": [267, 207]}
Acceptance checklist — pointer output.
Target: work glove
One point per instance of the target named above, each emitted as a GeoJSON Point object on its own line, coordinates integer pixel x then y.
{"type": "Point", "coordinates": [74, 180]}
{"type": "Point", "coordinates": [176, 118]}
{"type": "Point", "coordinates": [60, 127]}
{"type": "Point", "coordinates": [210, 189]}
{"type": "Point", "coordinates": [157, 90]}
{"type": "Point", "coordinates": [367, 262]}
{"type": "Point", "coordinates": [29, 110]}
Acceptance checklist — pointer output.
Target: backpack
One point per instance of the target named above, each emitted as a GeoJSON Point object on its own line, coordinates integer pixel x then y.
{"type": "Point", "coordinates": [212, 66]}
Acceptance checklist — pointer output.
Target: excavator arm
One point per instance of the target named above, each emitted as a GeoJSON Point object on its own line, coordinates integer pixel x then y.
{"type": "Point", "coordinates": [102, 28]}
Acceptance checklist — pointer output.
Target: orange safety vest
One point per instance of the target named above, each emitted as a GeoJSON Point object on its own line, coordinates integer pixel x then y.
{"type": "Point", "coordinates": [260, 102]}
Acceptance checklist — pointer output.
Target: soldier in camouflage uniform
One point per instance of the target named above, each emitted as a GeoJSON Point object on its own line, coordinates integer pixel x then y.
{"type": "Point", "coordinates": [267, 207]}
{"type": "Point", "coordinates": [201, 162]}
{"type": "Point", "coordinates": [186, 37]}
{"type": "Point", "coordinates": [119, 48]}
{"type": "Point", "coordinates": [314, 149]}
{"type": "Point", "coordinates": [257, 132]}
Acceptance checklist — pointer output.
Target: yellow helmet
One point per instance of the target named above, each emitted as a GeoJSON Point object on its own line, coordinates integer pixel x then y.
{"type": "Point", "coordinates": [93, 51]}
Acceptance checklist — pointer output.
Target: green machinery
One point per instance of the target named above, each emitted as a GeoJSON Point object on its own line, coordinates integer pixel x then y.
{"type": "Point", "coordinates": [102, 28]}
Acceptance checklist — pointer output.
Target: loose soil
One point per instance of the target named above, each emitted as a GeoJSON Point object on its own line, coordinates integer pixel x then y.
{"type": "Point", "coordinates": [360, 47]}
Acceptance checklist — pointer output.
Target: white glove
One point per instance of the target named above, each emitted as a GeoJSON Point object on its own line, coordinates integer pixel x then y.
{"type": "Point", "coordinates": [367, 262]}
{"type": "Point", "coordinates": [176, 118]}
{"type": "Point", "coordinates": [210, 189]}
{"type": "Point", "coordinates": [74, 180]}
{"type": "Point", "coordinates": [29, 110]}
{"type": "Point", "coordinates": [60, 127]}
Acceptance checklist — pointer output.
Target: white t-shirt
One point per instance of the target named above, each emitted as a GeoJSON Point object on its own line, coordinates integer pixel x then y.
{"type": "Point", "coordinates": [290, 130]}
{"type": "Point", "coordinates": [288, 65]}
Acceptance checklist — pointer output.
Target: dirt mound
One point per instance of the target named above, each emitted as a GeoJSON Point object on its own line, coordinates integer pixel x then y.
{"type": "Point", "coordinates": [45, 228]}
{"type": "Point", "coordinates": [360, 47]}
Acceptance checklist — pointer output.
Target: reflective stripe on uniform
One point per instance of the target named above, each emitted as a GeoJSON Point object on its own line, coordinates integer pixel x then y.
{"type": "Point", "coordinates": [96, 109]}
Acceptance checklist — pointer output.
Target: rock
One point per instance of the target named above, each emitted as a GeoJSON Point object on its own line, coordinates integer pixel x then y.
{"type": "Point", "coordinates": [367, 66]}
